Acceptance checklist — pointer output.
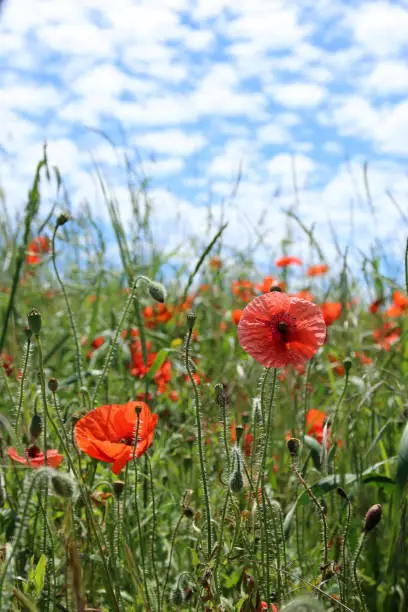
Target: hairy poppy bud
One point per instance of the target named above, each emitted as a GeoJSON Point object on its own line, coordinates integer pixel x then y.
{"type": "Point", "coordinates": [53, 385]}
{"type": "Point", "coordinates": [236, 481]}
{"type": "Point", "coordinates": [176, 595]}
{"type": "Point", "coordinates": [62, 485]}
{"type": "Point", "coordinates": [118, 487]}
{"type": "Point", "coordinates": [62, 219]}
{"type": "Point", "coordinates": [373, 517]}
{"type": "Point", "coordinates": [220, 395]}
{"type": "Point", "coordinates": [34, 321]}
{"type": "Point", "coordinates": [157, 291]}
{"type": "Point", "coordinates": [35, 427]}
{"type": "Point", "coordinates": [191, 319]}
{"type": "Point", "coordinates": [239, 430]}
{"type": "Point", "coordinates": [293, 446]}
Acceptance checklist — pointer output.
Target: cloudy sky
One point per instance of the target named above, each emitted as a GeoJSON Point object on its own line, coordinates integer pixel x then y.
{"type": "Point", "coordinates": [199, 91]}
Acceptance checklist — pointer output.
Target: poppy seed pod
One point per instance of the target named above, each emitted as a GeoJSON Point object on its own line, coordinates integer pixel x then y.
{"type": "Point", "coordinates": [63, 485]}
{"type": "Point", "coordinates": [347, 363]}
{"type": "Point", "coordinates": [62, 219]}
{"type": "Point", "coordinates": [191, 319]}
{"type": "Point", "coordinates": [34, 321]}
{"type": "Point", "coordinates": [372, 518]}
{"type": "Point", "coordinates": [236, 482]}
{"type": "Point", "coordinates": [53, 385]}
{"type": "Point", "coordinates": [118, 487]}
{"type": "Point", "coordinates": [157, 291]}
{"type": "Point", "coordinates": [293, 446]}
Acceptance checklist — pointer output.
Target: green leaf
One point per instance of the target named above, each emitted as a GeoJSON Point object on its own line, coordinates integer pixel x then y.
{"type": "Point", "coordinates": [157, 363]}
{"type": "Point", "coordinates": [39, 574]}
{"type": "Point", "coordinates": [315, 450]}
{"type": "Point", "coordinates": [402, 462]}
{"type": "Point", "coordinates": [378, 479]}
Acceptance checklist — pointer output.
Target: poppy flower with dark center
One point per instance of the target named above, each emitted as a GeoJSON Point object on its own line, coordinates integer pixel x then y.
{"type": "Point", "coordinates": [35, 458]}
{"type": "Point", "coordinates": [278, 330]}
{"type": "Point", "coordinates": [288, 261]}
{"type": "Point", "coordinates": [108, 433]}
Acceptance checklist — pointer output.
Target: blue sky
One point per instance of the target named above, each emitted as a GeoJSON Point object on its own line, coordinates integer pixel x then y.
{"type": "Point", "coordinates": [204, 89]}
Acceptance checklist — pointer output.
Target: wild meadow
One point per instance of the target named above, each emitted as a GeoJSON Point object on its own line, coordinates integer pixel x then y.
{"type": "Point", "coordinates": [197, 434]}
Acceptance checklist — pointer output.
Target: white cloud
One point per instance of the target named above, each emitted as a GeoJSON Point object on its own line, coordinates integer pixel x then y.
{"type": "Point", "coordinates": [171, 141]}
{"type": "Point", "coordinates": [380, 27]}
{"type": "Point", "coordinates": [388, 77]}
{"type": "Point", "coordinates": [273, 133]}
{"type": "Point", "coordinates": [296, 95]}
{"type": "Point", "coordinates": [283, 167]}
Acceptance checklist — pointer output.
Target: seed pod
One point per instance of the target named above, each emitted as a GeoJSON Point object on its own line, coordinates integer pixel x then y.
{"type": "Point", "coordinates": [293, 446]}
{"type": "Point", "coordinates": [191, 319]}
{"type": "Point", "coordinates": [62, 219]}
{"type": "Point", "coordinates": [176, 595]}
{"type": "Point", "coordinates": [118, 487]}
{"type": "Point", "coordinates": [53, 385]}
{"type": "Point", "coordinates": [34, 321]}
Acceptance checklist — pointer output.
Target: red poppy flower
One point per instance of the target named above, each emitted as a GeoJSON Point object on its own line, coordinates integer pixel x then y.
{"type": "Point", "coordinates": [375, 306]}
{"type": "Point", "coordinates": [315, 420]}
{"type": "Point", "coordinates": [108, 433]}
{"type": "Point", "coordinates": [37, 247]}
{"type": "Point", "coordinates": [317, 270]}
{"type": "Point", "coordinates": [387, 335]}
{"type": "Point", "coordinates": [331, 312]}
{"type": "Point", "coordinates": [243, 289]}
{"type": "Point", "coordinates": [236, 315]}
{"type": "Point", "coordinates": [97, 342]}
{"type": "Point", "coordinates": [304, 294]}
{"type": "Point", "coordinates": [288, 261]}
{"type": "Point", "coordinates": [364, 359]}
{"type": "Point", "coordinates": [278, 330]}
{"type": "Point", "coordinates": [400, 304]}
{"type": "Point", "coordinates": [267, 283]}
{"type": "Point", "coordinates": [34, 458]}
{"type": "Point", "coordinates": [337, 366]}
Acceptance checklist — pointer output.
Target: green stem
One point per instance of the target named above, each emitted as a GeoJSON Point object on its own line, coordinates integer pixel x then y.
{"type": "Point", "coordinates": [20, 397]}
{"type": "Point", "coordinates": [201, 454]}
{"type": "Point", "coordinates": [356, 579]}
{"type": "Point", "coordinates": [154, 536]}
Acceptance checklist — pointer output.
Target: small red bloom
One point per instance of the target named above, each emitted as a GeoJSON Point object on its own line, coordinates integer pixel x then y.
{"type": "Point", "coordinates": [375, 306]}
{"type": "Point", "coordinates": [97, 342]}
{"type": "Point", "coordinates": [337, 366]}
{"type": "Point", "coordinates": [315, 420]}
{"type": "Point", "coordinates": [305, 295]}
{"type": "Point", "coordinates": [236, 316]}
{"type": "Point", "coordinates": [37, 247]}
{"type": "Point", "coordinates": [108, 433]}
{"type": "Point", "coordinates": [288, 261]}
{"type": "Point", "coordinates": [317, 270]}
{"type": "Point", "coordinates": [364, 359]}
{"type": "Point", "coordinates": [400, 304]}
{"type": "Point", "coordinates": [174, 396]}
{"type": "Point", "coordinates": [34, 458]}
{"type": "Point", "coordinates": [331, 312]}
{"type": "Point", "coordinates": [243, 289]}
{"type": "Point", "coordinates": [387, 335]}
{"type": "Point", "coordinates": [277, 330]}
{"type": "Point", "coordinates": [267, 283]}
{"type": "Point", "coordinates": [7, 362]}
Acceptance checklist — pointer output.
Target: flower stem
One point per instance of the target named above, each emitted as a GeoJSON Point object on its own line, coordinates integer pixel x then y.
{"type": "Point", "coordinates": [360, 594]}
{"type": "Point", "coordinates": [201, 454]}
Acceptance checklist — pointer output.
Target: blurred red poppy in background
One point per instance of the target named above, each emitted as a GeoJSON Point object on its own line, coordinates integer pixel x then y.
{"type": "Point", "coordinates": [108, 433]}
{"type": "Point", "coordinates": [278, 330]}
{"type": "Point", "coordinates": [35, 458]}
{"type": "Point", "coordinates": [317, 270]}
{"type": "Point", "coordinates": [288, 261]}
{"type": "Point", "coordinates": [331, 312]}
{"type": "Point", "coordinates": [38, 246]}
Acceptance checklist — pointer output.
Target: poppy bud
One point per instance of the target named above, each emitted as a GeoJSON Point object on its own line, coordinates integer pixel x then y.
{"type": "Point", "coordinates": [347, 363]}
{"type": "Point", "coordinates": [53, 385]}
{"type": "Point", "coordinates": [275, 288]}
{"type": "Point", "coordinates": [191, 319]}
{"type": "Point", "coordinates": [118, 487]}
{"type": "Point", "coordinates": [35, 427]}
{"type": "Point", "coordinates": [63, 485]}
{"type": "Point", "coordinates": [372, 518]}
{"type": "Point", "coordinates": [157, 291]}
{"type": "Point", "coordinates": [176, 595]}
{"type": "Point", "coordinates": [34, 321]}
{"type": "Point", "coordinates": [293, 446]}
{"type": "Point", "coordinates": [239, 431]}
{"type": "Point", "coordinates": [236, 481]}
{"type": "Point", "coordinates": [62, 219]}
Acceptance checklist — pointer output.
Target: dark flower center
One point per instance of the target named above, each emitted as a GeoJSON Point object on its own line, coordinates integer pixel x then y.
{"type": "Point", "coordinates": [130, 441]}
{"type": "Point", "coordinates": [284, 325]}
{"type": "Point", "coordinates": [33, 452]}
